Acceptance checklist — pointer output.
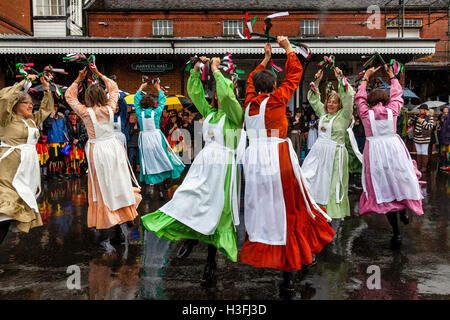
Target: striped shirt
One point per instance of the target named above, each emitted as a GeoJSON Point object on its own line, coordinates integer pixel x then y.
{"type": "Point", "coordinates": [419, 127]}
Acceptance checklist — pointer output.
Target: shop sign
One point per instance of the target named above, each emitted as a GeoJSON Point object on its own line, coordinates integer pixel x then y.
{"type": "Point", "coordinates": [152, 66]}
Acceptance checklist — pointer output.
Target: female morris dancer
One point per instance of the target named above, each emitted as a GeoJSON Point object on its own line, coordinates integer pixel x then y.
{"type": "Point", "coordinates": [112, 198]}
{"type": "Point", "coordinates": [285, 226]}
{"type": "Point", "coordinates": [158, 161]}
{"type": "Point", "coordinates": [20, 179]}
{"type": "Point", "coordinates": [205, 206]}
{"type": "Point", "coordinates": [326, 166]}
{"type": "Point", "coordinates": [390, 180]}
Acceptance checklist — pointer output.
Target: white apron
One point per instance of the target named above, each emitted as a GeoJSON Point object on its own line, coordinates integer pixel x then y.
{"type": "Point", "coordinates": [111, 165]}
{"type": "Point", "coordinates": [391, 168]}
{"type": "Point", "coordinates": [27, 180]}
{"type": "Point", "coordinates": [317, 167]}
{"type": "Point", "coordinates": [199, 201]}
{"type": "Point", "coordinates": [353, 142]}
{"type": "Point", "coordinates": [119, 134]}
{"type": "Point", "coordinates": [265, 210]}
{"type": "Point", "coordinates": [153, 155]}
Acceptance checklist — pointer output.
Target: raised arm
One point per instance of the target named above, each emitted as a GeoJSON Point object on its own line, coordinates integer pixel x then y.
{"type": "Point", "coordinates": [361, 100]}
{"type": "Point", "coordinates": [396, 92]}
{"type": "Point", "coordinates": [8, 98]}
{"type": "Point", "coordinates": [361, 95]}
{"type": "Point", "coordinates": [161, 99]}
{"type": "Point", "coordinates": [111, 87]}
{"type": "Point", "coordinates": [226, 96]}
{"type": "Point", "coordinates": [294, 71]}
{"type": "Point", "coordinates": [313, 95]}
{"type": "Point", "coordinates": [251, 94]}
{"type": "Point", "coordinates": [46, 103]}
{"type": "Point", "coordinates": [346, 94]}
{"type": "Point", "coordinates": [113, 91]}
{"type": "Point", "coordinates": [71, 94]}
{"type": "Point", "coordinates": [347, 98]}
{"type": "Point", "coordinates": [196, 93]}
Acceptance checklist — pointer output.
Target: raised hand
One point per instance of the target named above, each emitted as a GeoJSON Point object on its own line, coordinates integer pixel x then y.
{"type": "Point", "coordinates": [81, 75]}
{"type": "Point", "coordinates": [45, 82]}
{"type": "Point", "coordinates": [370, 72]}
{"type": "Point", "coordinates": [268, 50]}
{"type": "Point", "coordinates": [94, 70]}
{"type": "Point", "coordinates": [203, 59]}
{"type": "Point", "coordinates": [389, 70]}
{"type": "Point", "coordinates": [318, 77]}
{"type": "Point", "coordinates": [32, 77]}
{"type": "Point", "coordinates": [215, 63]}
{"type": "Point", "coordinates": [284, 43]}
{"type": "Point", "coordinates": [338, 73]}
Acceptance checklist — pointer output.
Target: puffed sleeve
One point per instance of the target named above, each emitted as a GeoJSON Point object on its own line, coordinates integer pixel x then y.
{"type": "Point", "coordinates": [47, 105]}
{"type": "Point", "coordinates": [8, 98]}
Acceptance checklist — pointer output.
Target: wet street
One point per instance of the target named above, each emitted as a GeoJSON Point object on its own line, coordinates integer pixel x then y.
{"type": "Point", "coordinates": [36, 264]}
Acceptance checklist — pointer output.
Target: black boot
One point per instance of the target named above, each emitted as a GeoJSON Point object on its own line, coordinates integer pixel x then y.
{"type": "Point", "coordinates": [209, 273]}
{"type": "Point", "coordinates": [288, 283]}
{"type": "Point", "coordinates": [396, 240]}
{"type": "Point", "coordinates": [404, 217]}
{"type": "Point", "coordinates": [187, 247]}
{"type": "Point", "coordinates": [4, 227]}
{"type": "Point", "coordinates": [308, 266]}
{"type": "Point", "coordinates": [105, 238]}
{"type": "Point", "coordinates": [160, 190]}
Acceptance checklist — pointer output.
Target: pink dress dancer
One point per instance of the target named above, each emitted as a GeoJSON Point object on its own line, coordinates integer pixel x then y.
{"type": "Point", "coordinates": [112, 199]}
{"type": "Point", "coordinates": [390, 176]}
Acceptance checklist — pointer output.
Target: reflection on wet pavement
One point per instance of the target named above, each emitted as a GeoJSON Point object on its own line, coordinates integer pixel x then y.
{"type": "Point", "coordinates": [36, 263]}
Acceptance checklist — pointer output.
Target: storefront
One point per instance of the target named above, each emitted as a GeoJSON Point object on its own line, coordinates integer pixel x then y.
{"type": "Point", "coordinates": [128, 59]}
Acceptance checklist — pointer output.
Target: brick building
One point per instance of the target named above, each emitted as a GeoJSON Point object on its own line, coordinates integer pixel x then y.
{"type": "Point", "coordinates": [130, 37]}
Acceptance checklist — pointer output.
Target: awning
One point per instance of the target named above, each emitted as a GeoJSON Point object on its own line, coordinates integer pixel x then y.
{"type": "Point", "coordinates": [191, 46]}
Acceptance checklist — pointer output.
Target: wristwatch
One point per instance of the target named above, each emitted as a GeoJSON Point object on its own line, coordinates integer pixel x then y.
{"type": "Point", "coordinates": [46, 90]}
{"type": "Point", "coordinates": [365, 79]}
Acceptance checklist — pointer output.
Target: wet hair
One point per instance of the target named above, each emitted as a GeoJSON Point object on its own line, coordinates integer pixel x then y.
{"type": "Point", "coordinates": [95, 95]}
{"type": "Point", "coordinates": [22, 96]}
{"type": "Point", "coordinates": [376, 96]}
{"type": "Point", "coordinates": [264, 81]}
{"type": "Point", "coordinates": [147, 101]}
{"type": "Point", "coordinates": [333, 94]}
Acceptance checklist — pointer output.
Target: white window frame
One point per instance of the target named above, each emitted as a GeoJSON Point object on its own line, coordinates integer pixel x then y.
{"type": "Point", "coordinates": [309, 26]}
{"type": "Point", "coordinates": [231, 27]}
{"type": "Point", "coordinates": [162, 27]}
{"type": "Point", "coordinates": [49, 8]}
{"type": "Point", "coordinates": [409, 23]}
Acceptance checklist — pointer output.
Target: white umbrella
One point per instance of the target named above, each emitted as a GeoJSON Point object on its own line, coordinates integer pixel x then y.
{"type": "Point", "coordinates": [435, 105]}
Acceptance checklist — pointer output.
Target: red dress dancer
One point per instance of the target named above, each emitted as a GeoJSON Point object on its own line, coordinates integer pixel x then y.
{"type": "Point", "coordinates": [285, 226]}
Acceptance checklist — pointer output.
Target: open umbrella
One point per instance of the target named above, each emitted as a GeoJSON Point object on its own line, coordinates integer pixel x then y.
{"type": "Point", "coordinates": [407, 93]}
{"type": "Point", "coordinates": [432, 105]}
{"type": "Point", "coordinates": [177, 102]}
{"type": "Point", "coordinates": [130, 100]}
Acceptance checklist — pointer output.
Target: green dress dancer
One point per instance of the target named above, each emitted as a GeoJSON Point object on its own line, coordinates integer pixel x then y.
{"type": "Point", "coordinates": [341, 121]}
{"type": "Point", "coordinates": [198, 210]}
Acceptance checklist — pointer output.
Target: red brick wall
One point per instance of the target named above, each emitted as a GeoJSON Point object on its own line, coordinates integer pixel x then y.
{"type": "Point", "coordinates": [210, 24]}
{"type": "Point", "coordinates": [15, 12]}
